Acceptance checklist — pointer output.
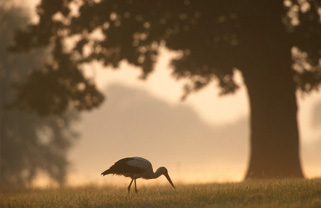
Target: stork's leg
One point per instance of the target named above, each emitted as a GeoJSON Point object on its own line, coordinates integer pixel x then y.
{"type": "Point", "coordinates": [136, 187]}
{"type": "Point", "coordinates": [130, 185]}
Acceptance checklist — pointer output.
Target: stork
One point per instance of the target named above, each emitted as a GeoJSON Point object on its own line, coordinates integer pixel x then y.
{"type": "Point", "coordinates": [136, 167]}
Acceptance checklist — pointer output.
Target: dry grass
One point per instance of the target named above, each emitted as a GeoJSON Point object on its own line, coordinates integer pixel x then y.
{"type": "Point", "coordinates": [285, 193]}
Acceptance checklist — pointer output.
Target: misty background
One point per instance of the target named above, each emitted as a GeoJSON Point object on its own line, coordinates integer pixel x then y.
{"type": "Point", "coordinates": [132, 122]}
{"type": "Point", "coordinates": [135, 123]}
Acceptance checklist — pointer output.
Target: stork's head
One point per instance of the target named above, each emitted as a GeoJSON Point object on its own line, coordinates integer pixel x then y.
{"type": "Point", "coordinates": [164, 172]}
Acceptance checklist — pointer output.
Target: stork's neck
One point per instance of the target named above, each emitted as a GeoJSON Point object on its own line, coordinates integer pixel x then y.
{"type": "Point", "coordinates": [153, 175]}
{"type": "Point", "coordinates": [157, 173]}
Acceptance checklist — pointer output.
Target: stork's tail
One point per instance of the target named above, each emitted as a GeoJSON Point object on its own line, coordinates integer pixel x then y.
{"type": "Point", "coordinates": [106, 172]}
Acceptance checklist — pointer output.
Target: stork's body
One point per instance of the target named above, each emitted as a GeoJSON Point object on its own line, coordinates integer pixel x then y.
{"type": "Point", "coordinates": [136, 167]}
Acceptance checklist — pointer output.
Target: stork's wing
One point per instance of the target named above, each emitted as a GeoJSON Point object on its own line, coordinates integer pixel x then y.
{"type": "Point", "coordinates": [140, 163]}
{"type": "Point", "coordinates": [123, 167]}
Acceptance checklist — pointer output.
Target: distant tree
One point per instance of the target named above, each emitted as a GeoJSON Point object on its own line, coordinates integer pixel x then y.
{"type": "Point", "coordinates": [29, 144]}
{"type": "Point", "coordinates": [275, 44]}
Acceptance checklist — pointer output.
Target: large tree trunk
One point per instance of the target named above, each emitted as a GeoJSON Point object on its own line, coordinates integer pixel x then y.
{"type": "Point", "coordinates": [274, 141]}
{"type": "Point", "coordinates": [265, 61]}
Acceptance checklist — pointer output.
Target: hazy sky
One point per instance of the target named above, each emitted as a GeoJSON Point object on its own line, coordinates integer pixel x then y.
{"type": "Point", "coordinates": [136, 123]}
{"type": "Point", "coordinates": [212, 108]}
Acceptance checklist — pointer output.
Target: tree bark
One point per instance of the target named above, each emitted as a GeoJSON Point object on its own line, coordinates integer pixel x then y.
{"type": "Point", "coordinates": [274, 140]}
{"type": "Point", "coordinates": [265, 61]}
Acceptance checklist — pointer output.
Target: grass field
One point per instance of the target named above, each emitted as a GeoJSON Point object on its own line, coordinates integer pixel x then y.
{"type": "Point", "coordinates": [285, 193]}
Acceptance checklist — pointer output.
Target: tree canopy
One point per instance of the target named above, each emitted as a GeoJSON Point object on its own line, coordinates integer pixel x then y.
{"type": "Point", "coordinates": [214, 38]}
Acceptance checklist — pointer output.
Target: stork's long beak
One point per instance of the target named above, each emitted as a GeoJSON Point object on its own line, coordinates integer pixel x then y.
{"type": "Point", "coordinates": [169, 179]}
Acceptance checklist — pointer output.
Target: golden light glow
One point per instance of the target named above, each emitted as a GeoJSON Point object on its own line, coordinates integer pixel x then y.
{"type": "Point", "coordinates": [207, 153]}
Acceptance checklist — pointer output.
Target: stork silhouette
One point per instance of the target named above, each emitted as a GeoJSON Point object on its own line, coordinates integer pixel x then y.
{"type": "Point", "coordinates": [136, 167]}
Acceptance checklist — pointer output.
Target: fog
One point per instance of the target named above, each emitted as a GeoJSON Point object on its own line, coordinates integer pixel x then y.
{"type": "Point", "coordinates": [133, 122]}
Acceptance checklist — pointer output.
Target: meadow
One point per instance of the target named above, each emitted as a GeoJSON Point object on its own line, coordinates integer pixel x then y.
{"type": "Point", "coordinates": [279, 193]}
